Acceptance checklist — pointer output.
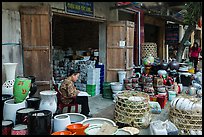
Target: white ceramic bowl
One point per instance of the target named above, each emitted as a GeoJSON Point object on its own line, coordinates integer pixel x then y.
{"type": "Point", "coordinates": [116, 86]}
{"type": "Point", "coordinates": [97, 121]}
{"type": "Point", "coordinates": [122, 132]}
{"type": "Point", "coordinates": [116, 91]}
{"type": "Point", "coordinates": [92, 130]}
{"type": "Point", "coordinates": [76, 117]}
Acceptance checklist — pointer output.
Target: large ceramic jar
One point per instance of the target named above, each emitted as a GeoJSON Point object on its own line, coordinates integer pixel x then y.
{"type": "Point", "coordinates": [39, 122]}
{"type": "Point", "coordinates": [10, 108]}
{"type": "Point", "coordinates": [10, 69]}
{"type": "Point", "coordinates": [33, 87]}
{"type": "Point", "coordinates": [164, 65]}
{"type": "Point", "coordinates": [21, 89]}
{"type": "Point", "coordinates": [174, 65]}
{"type": "Point", "coordinates": [48, 101]}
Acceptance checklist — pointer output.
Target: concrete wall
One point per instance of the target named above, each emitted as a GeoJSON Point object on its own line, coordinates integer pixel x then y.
{"type": "Point", "coordinates": [11, 38]}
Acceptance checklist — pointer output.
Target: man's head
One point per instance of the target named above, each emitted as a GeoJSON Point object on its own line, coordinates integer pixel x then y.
{"type": "Point", "coordinates": [74, 74]}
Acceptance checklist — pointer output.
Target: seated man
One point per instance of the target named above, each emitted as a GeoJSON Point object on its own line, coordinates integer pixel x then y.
{"type": "Point", "coordinates": [68, 89]}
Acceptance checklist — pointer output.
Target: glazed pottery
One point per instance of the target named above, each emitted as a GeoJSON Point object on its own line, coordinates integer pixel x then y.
{"type": "Point", "coordinates": [10, 69]}
{"type": "Point", "coordinates": [33, 102]}
{"type": "Point", "coordinates": [78, 128]}
{"type": "Point", "coordinates": [19, 129]}
{"type": "Point", "coordinates": [7, 125]}
{"type": "Point", "coordinates": [63, 133]}
{"type": "Point", "coordinates": [179, 103]}
{"type": "Point", "coordinates": [76, 117]}
{"type": "Point", "coordinates": [98, 121]}
{"type": "Point", "coordinates": [121, 76]}
{"type": "Point", "coordinates": [122, 132]}
{"type": "Point", "coordinates": [164, 65]}
{"type": "Point", "coordinates": [161, 72]}
{"type": "Point", "coordinates": [33, 87]}
{"type": "Point", "coordinates": [21, 89]}
{"type": "Point", "coordinates": [10, 108]}
{"type": "Point", "coordinates": [22, 115]}
{"type": "Point", "coordinates": [39, 122]}
{"type": "Point", "coordinates": [4, 98]}
{"type": "Point", "coordinates": [48, 101]}
{"type": "Point", "coordinates": [192, 90]}
{"type": "Point", "coordinates": [61, 121]}
{"type": "Point", "coordinates": [92, 130]}
{"type": "Point", "coordinates": [174, 65]}
{"type": "Point", "coordinates": [116, 86]}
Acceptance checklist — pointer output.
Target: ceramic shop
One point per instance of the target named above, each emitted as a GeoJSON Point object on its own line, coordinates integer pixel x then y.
{"type": "Point", "coordinates": [75, 40]}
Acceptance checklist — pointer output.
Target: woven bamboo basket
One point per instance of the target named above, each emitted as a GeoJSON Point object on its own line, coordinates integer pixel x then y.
{"type": "Point", "coordinates": [135, 114]}
{"type": "Point", "coordinates": [186, 120]}
{"type": "Point", "coordinates": [149, 48]}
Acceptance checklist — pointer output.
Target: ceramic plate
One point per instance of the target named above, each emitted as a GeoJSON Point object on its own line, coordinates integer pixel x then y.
{"type": "Point", "coordinates": [178, 104]}
{"type": "Point", "coordinates": [188, 107]}
{"type": "Point", "coordinates": [184, 104]}
{"type": "Point", "coordinates": [174, 102]}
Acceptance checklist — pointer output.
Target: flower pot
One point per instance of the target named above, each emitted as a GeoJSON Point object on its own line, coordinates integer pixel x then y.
{"type": "Point", "coordinates": [10, 108]}
{"type": "Point", "coordinates": [10, 69]}
{"type": "Point", "coordinates": [22, 115]}
{"type": "Point", "coordinates": [61, 121]}
{"type": "Point", "coordinates": [33, 102]}
{"type": "Point", "coordinates": [48, 101]}
{"type": "Point", "coordinates": [7, 125]}
{"type": "Point", "coordinates": [21, 89]}
{"type": "Point", "coordinates": [39, 122]}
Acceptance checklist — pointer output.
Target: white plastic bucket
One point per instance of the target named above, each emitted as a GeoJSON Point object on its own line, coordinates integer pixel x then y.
{"type": "Point", "coordinates": [122, 75]}
{"type": "Point", "coordinates": [172, 95]}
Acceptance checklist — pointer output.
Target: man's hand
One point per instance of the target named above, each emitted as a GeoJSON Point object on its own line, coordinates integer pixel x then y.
{"type": "Point", "coordinates": [77, 92]}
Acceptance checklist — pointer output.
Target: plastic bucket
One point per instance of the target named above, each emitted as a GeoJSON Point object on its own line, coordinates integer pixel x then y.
{"type": "Point", "coordinates": [171, 95]}
{"type": "Point", "coordinates": [122, 75]}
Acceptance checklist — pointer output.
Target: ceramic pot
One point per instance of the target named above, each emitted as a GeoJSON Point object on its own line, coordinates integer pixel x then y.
{"type": "Point", "coordinates": [33, 87]}
{"type": "Point", "coordinates": [22, 115]}
{"type": "Point", "coordinates": [76, 117]}
{"type": "Point", "coordinates": [33, 102]}
{"type": "Point", "coordinates": [174, 65]}
{"type": "Point", "coordinates": [7, 126]}
{"type": "Point", "coordinates": [10, 69]}
{"type": "Point", "coordinates": [39, 122]}
{"type": "Point", "coordinates": [61, 121]}
{"type": "Point", "coordinates": [162, 72]}
{"type": "Point", "coordinates": [21, 89]}
{"type": "Point", "coordinates": [164, 65]}
{"type": "Point", "coordinates": [19, 129]}
{"type": "Point", "coordinates": [48, 101]}
{"type": "Point", "coordinates": [192, 90]}
{"type": "Point", "coordinates": [63, 133]}
{"type": "Point", "coordinates": [4, 98]}
{"type": "Point", "coordinates": [10, 108]}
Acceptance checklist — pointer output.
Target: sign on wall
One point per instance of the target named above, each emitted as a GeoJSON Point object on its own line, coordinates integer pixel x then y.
{"type": "Point", "coordinates": [82, 8]}
{"type": "Point", "coordinates": [172, 33]}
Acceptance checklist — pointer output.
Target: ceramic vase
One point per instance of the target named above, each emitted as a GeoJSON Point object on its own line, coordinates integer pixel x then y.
{"type": "Point", "coordinates": [21, 89]}
{"type": "Point", "coordinates": [174, 65]}
{"type": "Point", "coordinates": [10, 108]}
{"type": "Point", "coordinates": [48, 100]}
{"type": "Point", "coordinates": [10, 69]}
